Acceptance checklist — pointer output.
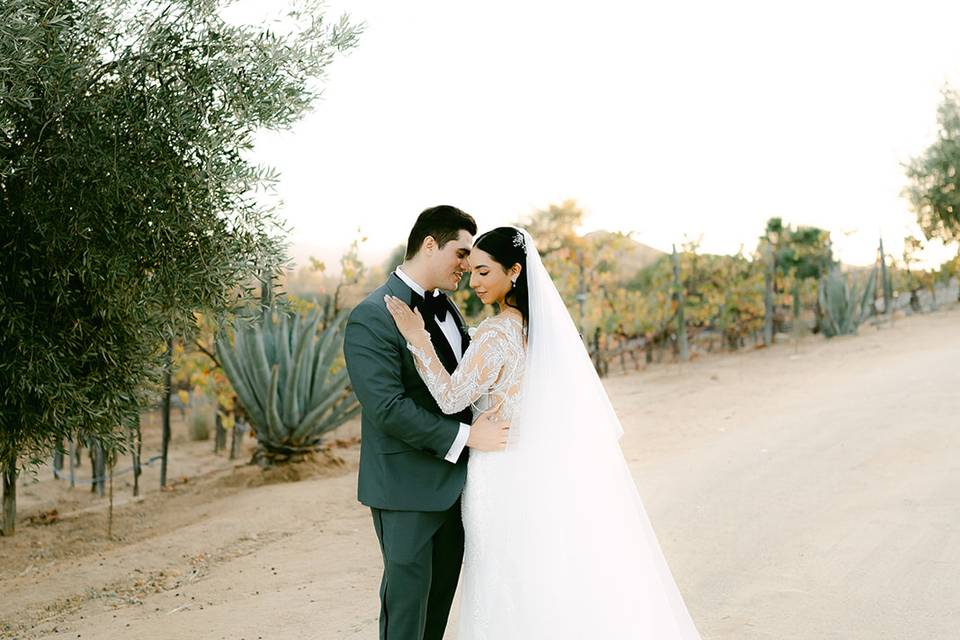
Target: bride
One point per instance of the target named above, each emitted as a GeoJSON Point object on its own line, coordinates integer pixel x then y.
{"type": "Point", "coordinates": [558, 544]}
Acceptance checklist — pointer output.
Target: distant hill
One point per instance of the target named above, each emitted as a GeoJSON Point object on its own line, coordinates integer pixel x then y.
{"type": "Point", "coordinates": [330, 255]}
{"type": "Point", "coordinates": [636, 257]}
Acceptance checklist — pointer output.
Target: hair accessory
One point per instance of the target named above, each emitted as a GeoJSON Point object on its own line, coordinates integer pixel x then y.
{"type": "Point", "coordinates": [519, 241]}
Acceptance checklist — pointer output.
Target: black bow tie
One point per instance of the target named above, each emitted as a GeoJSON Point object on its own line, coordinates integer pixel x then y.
{"type": "Point", "coordinates": [431, 306]}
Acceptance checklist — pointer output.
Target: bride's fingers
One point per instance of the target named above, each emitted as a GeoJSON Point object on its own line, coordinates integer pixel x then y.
{"type": "Point", "coordinates": [390, 306]}
{"type": "Point", "coordinates": [401, 312]}
{"type": "Point", "coordinates": [393, 306]}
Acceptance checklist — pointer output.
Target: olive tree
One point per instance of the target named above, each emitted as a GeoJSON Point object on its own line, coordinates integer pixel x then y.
{"type": "Point", "coordinates": [127, 196]}
{"type": "Point", "coordinates": [934, 176]}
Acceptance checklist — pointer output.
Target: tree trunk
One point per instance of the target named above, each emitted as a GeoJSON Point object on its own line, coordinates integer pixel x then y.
{"type": "Point", "coordinates": [98, 468]}
{"type": "Point", "coordinates": [166, 414]}
{"type": "Point", "coordinates": [266, 294]}
{"type": "Point", "coordinates": [233, 441]}
{"type": "Point", "coordinates": [91, 451]}
{"type": "Point", "coordinates": [8, 524]}
{"type": "Point", "coordinates": [597, 356]}
{"type": "Point", "coordinates": [137, 446]}
{"type": "Point", "coordinates": [722, 324]}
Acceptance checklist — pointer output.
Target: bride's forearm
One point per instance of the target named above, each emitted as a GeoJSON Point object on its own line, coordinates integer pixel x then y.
{"type": "Point", "coordinates": [450, 399]}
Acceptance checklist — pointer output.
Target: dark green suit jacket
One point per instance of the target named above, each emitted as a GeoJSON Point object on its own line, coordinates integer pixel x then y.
{"type": "Point", "coordinates": [404, 435]}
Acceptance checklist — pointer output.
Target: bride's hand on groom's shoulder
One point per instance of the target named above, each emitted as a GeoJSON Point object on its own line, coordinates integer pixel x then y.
{"type": "Point", "coordinates": [409, 322]}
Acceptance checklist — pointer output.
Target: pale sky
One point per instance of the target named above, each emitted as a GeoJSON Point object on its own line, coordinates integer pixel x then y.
{"type": "Point", "coordinates": [669, 119]}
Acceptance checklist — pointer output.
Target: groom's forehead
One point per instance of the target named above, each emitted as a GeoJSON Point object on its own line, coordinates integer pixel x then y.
{"type": "Point", "coordinates": [463, 241]}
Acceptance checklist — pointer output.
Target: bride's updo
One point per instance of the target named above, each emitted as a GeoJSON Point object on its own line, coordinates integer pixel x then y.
{"type": "Point", "coordinates": [506, 245]}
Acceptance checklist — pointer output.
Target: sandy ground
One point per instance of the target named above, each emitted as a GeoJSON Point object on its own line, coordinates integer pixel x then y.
{"type": "Point", "coordinates": [808, 491]}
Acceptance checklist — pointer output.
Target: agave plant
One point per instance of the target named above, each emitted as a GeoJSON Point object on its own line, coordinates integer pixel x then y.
{"type": "Point", "coordinates": [286, 378]}
{"type": "Point", "coordinates": [843, 307]}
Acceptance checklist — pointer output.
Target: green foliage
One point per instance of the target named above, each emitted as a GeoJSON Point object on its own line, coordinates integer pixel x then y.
{"type": "Point", "coordinates": [724, 293]}
{"type": "Point", "coordinates": [805, 252]}
{"type": "Point", "coordinates": [352, 272]}
{"type": "Point", "coordinates": [843, 305]}
{"type": "Point", "coordinates": [555, 227]}
{"type": "Point", "coordinates": [626, 289]}
{"type": "Point", "coordinates": [933, 182]}
{"type": "Point", "coordinates": [289, 380]}
{"type": "Point", "coordinates": [125, 197]}
{"type": "Point", "coordinates": [196, 371]}
{"type": "Point", "coordinates": [801, 256]}
{"type": "Point", "coordinates": [395, 259]}
{"type": "Point", "coordinates": [590, 271]}
{"type": "Point", "coordinates": [950, 269]}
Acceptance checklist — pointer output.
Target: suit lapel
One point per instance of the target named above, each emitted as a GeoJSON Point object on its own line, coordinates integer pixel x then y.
{"type": "Point", "coordinates": [442, 347]}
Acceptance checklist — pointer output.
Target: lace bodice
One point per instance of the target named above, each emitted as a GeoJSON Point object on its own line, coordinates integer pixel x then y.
{"type": "Point", "coordinates": [489, 374]}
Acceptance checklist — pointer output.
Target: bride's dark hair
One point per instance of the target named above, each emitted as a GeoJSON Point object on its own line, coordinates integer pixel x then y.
{"type": "Point", "coordinates": [506, 245]}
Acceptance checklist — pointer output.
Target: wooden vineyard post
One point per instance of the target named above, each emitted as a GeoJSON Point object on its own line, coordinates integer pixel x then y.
{"type": "Point", "coordinates": [681, 301]}
{"type": "Point", "coordinates": [58, 459]}
{"type": "Point", "coordinates": [220, 434]}
{"type": "Point", "coordinates": [72, 451]}
{"type": "Point", "coordinates": [110, 515]}
{"type": "Point", "coordinates": [887, 289]}
{"type": "Point", "coordinates": [236, 436]}
{"type": "Point", "coordinates": [768, 275]}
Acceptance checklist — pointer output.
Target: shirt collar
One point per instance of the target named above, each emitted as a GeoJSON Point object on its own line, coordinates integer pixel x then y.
{"type": "Point", "coordinates": [410, 282]}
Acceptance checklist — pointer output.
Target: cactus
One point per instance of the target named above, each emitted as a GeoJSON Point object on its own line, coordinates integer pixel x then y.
{"type": "Point", "coordinates": [285, 377]}
{"type": "Point", "coordinates": [844, 307]}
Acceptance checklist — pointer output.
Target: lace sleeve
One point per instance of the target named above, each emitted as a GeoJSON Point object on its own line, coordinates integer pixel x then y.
{"type": "Point", "coordinates": [476, 373]}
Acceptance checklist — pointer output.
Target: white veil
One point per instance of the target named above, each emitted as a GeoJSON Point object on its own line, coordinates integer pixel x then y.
{"type": "Point", "coordinates": [590, 555]}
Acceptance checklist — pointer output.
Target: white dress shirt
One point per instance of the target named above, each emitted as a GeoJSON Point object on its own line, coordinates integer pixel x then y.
{"type": "Point", "coordinates": [452, 333]}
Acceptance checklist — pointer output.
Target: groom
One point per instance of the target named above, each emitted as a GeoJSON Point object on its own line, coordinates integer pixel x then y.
{"type": "Point", "coordinates": [413, 462]}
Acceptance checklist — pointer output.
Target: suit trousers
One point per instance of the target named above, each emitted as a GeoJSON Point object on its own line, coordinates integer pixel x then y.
{"type": "Point", "coordinates": [422, 554]}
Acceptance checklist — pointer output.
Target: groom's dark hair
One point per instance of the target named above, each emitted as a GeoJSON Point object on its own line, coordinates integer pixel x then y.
{"type": "Point", "coordinates": [443, 223]}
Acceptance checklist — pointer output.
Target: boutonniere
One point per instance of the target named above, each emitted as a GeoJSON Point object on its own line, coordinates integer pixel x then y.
{"type": "Point", "coordinates": [471, 331]}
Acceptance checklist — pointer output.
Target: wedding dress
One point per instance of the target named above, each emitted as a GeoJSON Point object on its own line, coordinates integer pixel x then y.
{"type": "Point", "coordinates": [558, 545]}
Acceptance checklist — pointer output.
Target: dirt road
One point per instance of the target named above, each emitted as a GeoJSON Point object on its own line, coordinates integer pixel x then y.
{"type": "Point", "coordinates": [806, 493]}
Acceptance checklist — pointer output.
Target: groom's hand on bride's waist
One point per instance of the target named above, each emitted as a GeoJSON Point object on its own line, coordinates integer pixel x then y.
{"type": "Point", "coordinates": [488, 434]}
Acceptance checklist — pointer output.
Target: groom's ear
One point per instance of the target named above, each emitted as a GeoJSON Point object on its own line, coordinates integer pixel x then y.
{"type": "Point", "coordinates": [429, 243]}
